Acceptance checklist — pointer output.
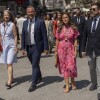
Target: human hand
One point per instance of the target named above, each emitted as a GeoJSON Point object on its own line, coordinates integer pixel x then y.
{"type": "Point", "coordinates": [75, 53]}
{"type": "Point", "coordinates": [24, 53]}
{"type": "Point", "coordinates": [16, 50]}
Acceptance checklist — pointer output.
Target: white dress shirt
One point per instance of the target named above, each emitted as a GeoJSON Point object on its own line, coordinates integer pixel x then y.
{"type": "Point", "coordinates": [32, 30]}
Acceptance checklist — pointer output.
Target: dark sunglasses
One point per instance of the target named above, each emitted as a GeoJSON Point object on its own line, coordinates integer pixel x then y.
{"type": "Point", "coordinates": [93, 9]}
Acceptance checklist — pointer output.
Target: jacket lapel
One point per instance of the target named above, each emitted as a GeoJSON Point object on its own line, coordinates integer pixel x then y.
{"type": "Point", "coordinates": [90, 24]}
{"type": "Point", "coordinates": [98, 26]}
{"type": "Point", "coordinates": [35, 26]}
{"type": "Point", "coordinates": [26, 26]}
{"type": "Point", "coordinates": [76, 20]}
{"type": "Point", "coordinates": [81, 19]}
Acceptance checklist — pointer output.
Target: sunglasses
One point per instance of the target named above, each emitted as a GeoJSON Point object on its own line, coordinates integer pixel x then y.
{"type": "Point", "coordinates": [93, 9]}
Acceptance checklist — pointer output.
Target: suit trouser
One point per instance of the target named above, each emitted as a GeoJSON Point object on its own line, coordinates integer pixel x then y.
{"type": "Point", "coordinates": [34, 57]}
{"type": "Point", "coordinates": [94, 65]}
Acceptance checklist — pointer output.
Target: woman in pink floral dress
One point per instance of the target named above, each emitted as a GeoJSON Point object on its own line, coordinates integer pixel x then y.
{"type": "Point", "coordinates": [66, 45]}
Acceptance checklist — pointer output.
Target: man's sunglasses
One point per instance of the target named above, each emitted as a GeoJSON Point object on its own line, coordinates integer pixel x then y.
{"type": "Point", "coordinates": [93, 9]}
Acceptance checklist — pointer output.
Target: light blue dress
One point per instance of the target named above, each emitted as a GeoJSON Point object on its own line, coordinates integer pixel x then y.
{"type": "Point", "coordinates": [8, 56]}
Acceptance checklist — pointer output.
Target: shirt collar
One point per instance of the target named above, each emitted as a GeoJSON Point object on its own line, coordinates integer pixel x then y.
{"type": "Point", "coordinates": [7, 24]}
{"type": "Point", "coordinates": [96, 18]}
{"type": "Point", "coordinates": [33, 20]}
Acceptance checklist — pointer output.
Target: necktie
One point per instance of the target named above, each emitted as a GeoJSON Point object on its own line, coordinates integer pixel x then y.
{"type": "Point", "coordinates": [94, 26]}
{"type": "Point", "coordinates": [78, 20]}
{"type": "Point", "coordinates": [29, 32]}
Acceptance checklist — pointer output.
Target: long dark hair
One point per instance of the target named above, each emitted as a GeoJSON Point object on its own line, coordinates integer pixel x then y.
{"type": "Point", "coordinates": [70, 23]}
{"type": "Point", "coordinates": [12, 18]}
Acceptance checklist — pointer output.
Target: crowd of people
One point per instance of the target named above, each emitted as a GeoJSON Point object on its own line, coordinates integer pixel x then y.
{"type": "Point", "coordinates": [68, 34]}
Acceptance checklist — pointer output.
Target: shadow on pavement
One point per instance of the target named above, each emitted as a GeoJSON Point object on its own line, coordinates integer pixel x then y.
{"type": "Point", "coordinates": [21, 57]}
{"type": "Point", "coordinates": [21, 79]}
{"type": "Point", "coordinates": [45, 80]}
{"type": "Point", "coordinates": [44, 56]}
{"type": "Point", "coordinates": [49, 80]}
{"type": "Point", "coordinates": [82, 84]}
{"type": "Point", "coordinates": [2, 99]}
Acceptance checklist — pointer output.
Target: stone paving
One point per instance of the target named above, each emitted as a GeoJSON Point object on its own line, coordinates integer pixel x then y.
{"type": "Point", "coordinates": [52, 86]}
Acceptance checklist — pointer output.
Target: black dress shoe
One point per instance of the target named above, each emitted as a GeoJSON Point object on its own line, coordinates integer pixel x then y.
{"type": "Point", "coordinates": [8, 86]}
{"type": "Point", "coordinates": [32, 88]}
{"type": "Point", "coordinates": [93, 87]}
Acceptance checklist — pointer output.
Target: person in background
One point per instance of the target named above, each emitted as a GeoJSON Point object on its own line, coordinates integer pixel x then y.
{"type": "Point", "coordinates": [79, 21]}
{"type": "Point", "coordinates": [59, 18]}
{"type": "Point", "coordinates": [20, 25]}
{"type": "Point", "coordinates": [8, 39]}
{"type": "Point", "coordinates": [49, 27]}
{"type": "Point", "coordinates": [66, 49]}
{"type": "Point", "coordinates": [57, 22]}
{"type": "Point", "coordinates": [54, 23]}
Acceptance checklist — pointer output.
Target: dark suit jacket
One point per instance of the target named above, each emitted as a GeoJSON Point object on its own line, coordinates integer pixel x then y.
{"type": "Point", "coordinates": [40, 35]}
{"type": "Point", "coordinates": [91, 41]}
{"type": "Point", "coordinates": [81, 24]}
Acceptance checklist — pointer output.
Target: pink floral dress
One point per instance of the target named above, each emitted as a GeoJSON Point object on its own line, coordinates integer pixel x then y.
{"type": "Point", "coordinates": [66, 52]}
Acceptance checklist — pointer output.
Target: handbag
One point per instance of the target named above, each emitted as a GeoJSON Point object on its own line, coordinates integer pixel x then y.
{"type": "Point", "coordinates": [56, 60]}
{"type": "Point", "coordinates": [1, 48]}
{"type": "Point", "coordinates": [57, 63]}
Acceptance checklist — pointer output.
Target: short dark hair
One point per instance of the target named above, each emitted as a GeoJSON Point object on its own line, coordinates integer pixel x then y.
{"type": "Point", "coordinates": [30, 6]}
{"type": "Point", "coordinates": [97, 4]}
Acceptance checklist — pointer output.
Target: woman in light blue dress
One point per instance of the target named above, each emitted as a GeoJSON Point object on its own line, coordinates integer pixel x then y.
{"type": "Point", "coordinates": [8, 39]}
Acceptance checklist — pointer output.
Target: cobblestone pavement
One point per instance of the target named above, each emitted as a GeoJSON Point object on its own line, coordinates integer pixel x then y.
{"type": "Point", "coordinates": [52, 86]}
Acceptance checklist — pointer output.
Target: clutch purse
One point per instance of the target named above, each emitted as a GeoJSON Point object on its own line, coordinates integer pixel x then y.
{"type": "Point", "coordinates": [56, 60]}
{"type": "Point", "coordinates": [1, 48]}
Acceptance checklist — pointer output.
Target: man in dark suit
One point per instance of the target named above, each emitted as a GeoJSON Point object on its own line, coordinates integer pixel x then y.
{"type": "Point", "coordinates": [34, 42]}
{"type": "Point", "coordinates": [91, 43]}
{"type": "Point", "coordinates": [79, 22]}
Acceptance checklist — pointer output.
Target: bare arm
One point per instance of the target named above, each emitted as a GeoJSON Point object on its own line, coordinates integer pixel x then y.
{"type": "Point", "coordinates": [15, 37]}
{"type": "Point", "coordinates": [15, 34]}
{"type": "Point", "coordinates": [75, 45]}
